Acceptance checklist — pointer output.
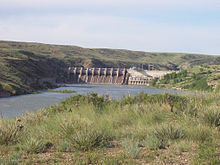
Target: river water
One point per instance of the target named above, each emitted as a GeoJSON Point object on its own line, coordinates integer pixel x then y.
{"type": "Point", "coordinates": [17, 105]}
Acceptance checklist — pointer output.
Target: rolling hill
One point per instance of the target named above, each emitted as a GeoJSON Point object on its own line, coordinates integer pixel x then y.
{"type": "Point", "coordinates": [25, 67]}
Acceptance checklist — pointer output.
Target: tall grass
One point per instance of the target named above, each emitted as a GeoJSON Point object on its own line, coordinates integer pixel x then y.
{"type": "Point", "coordinates": [131, 147]}
{"type": "Point", "coordinates": [130, 127]}
{"type": "Point", "coordinates": [169, 132]}
{"type": "Point", "coordinates": [10, 132]}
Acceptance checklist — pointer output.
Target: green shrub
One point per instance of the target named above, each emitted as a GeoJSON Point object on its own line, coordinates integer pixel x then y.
{"type": "Point", "coordinates": [68, 127]}
{"type": "Point", "coordinates": [64, 146]}
{"type": "Point", "coordinates": [179, 102]}
{"type": "Point", "coordinates": [153, 82]}
{"type": "Point", "coordinates": [199, 84]}
{"type": "Point", "coordinates": [169, 132]}
{"type": "Point", "coordinates": [174, 77]}
{"type": "Point", "coordinates": [97, 101]}
{"type": "Point", "coordinates": [34, 145]}
{"type": "Point", "coordinates": [127, 100]}
{"type": "Point", "coordinates": [86, 138]}
{"type": "Point", "coordinates": [131, 148]}
{"type": "Point", "coordinates": [212, 117]}
{"type": "Point", "coordinates": [61, 91]}
{"type": "Point", "coordinates": [9, 132]}
{"type": "Point", "coordinates": [152, 142]}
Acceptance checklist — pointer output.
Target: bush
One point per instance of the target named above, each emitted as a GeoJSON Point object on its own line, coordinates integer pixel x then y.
{"type": "Point", "coordinates": [97, 101]}
{"type": "Point", "coordinates": [212, 117]}
{"type": "Point", "coordinates": [68, 127]}
{"type": "Point", "coordinates": [84, 138]}
{"type": "Point", "coordinates": [34, 145]}
{"type": "Point", "coordinates": [175, 77]}
{"type": "Point", "coordinates": [9, 132]}
{"type": "Point", "coordinates": [89, 139]}
{"type": "Point", "coordinates": [169, 132]}
{"type": "Point", "coordinates": [161, 136]}
{"type": "Point", "coordinates": [131, 148]}
{"type": "Point", "coordinates": [179, 102]}
{"type": "Point", "coordinates": [199, 84]}
{"type": "Point", "coordinates": [152, 142]}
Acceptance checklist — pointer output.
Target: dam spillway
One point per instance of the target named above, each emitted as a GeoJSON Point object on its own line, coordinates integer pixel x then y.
{"type": "Point", "coordinates": [82, 75]}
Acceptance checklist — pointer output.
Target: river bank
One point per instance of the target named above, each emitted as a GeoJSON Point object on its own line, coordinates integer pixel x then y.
{"type": "Point", "coordinates": [92, 129]}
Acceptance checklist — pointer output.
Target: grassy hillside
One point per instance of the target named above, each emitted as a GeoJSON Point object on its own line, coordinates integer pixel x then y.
{"type": "Point", "coordinates": [156, 129]}
{"type": "Point", "coordinates": [203, 78]}
{"type": "Point", "coordinates": [109, 57]}
{"type": "Point", "coordinates": [22, 71]}
{"type": "Point", "coordinates": [29, 66]}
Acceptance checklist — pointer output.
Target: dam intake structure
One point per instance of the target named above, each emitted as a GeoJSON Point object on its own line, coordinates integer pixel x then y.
{"type": "Point", "coordinates": [121, 76]}
{"type": "Point", "coordinates": [82, 75]}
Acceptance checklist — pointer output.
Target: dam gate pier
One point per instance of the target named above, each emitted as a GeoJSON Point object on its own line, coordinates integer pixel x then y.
{"type": "Point", "coordinates": [82, 75]}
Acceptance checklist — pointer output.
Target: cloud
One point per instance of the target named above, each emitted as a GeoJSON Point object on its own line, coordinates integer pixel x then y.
{"type": "Point", "coordinates": [113, 32]}
{"type": "Point", "coordinates": [149, 25]}
{"type": "Point", "coordinates": [147, 4]}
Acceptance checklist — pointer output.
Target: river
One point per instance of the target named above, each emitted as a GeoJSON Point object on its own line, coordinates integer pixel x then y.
{"type": "Point", "coordinates": [17, 105]}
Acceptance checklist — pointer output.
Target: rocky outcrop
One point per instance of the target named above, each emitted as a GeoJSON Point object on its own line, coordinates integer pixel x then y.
{"type": "Point", "coordinates": [30, 85]}
{"type": "Point", "coordinates": [4, 94]}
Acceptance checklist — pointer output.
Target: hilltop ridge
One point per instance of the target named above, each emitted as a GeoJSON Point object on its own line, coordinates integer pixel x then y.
{"type": "Point", "coordinates": [108, 57]}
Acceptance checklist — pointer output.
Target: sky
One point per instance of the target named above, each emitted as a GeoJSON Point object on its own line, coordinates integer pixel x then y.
{"type": "Point", "coordinates": [191, 26]}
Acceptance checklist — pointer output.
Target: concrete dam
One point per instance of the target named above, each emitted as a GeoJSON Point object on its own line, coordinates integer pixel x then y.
{"type": "Point", "coordinates": [82, 75]}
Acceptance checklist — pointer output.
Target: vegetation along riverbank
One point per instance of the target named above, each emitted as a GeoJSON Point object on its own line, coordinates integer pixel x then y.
{"type": "Point", "coordinates": [200, 78]}
{"type": "Point", "coordinates": [154, 129]}
{"type": "Point", "coordinates": [61, 91]}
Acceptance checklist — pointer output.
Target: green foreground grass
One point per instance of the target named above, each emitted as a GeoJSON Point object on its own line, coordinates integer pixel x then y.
{"type": "Point", "coordinates": [155, 129]}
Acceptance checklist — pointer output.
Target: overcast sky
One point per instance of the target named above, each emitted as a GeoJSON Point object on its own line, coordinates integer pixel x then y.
{"type": "Point", "coordinates": [148, 25]}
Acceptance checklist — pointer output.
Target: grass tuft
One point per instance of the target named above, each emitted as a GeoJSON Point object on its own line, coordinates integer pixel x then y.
{"type": "Point", "coordinates": [212, 117]}
{"type": "Point", "coordinates": [34, 145]}
{"type": "Point", "coordinates": [9, 132]}
{"type": "Point", "coordinates": [169, 132]}
{"type": "Point", "coordinates": [131, 147]}
{"type": "Point", "coordinates": [153, 143]}
{"type": "Point", "coordinates": [86, 138]}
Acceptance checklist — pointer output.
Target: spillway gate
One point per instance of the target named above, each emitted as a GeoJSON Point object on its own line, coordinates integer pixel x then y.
{"type": "Point", "coordinates": [81, 75]}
